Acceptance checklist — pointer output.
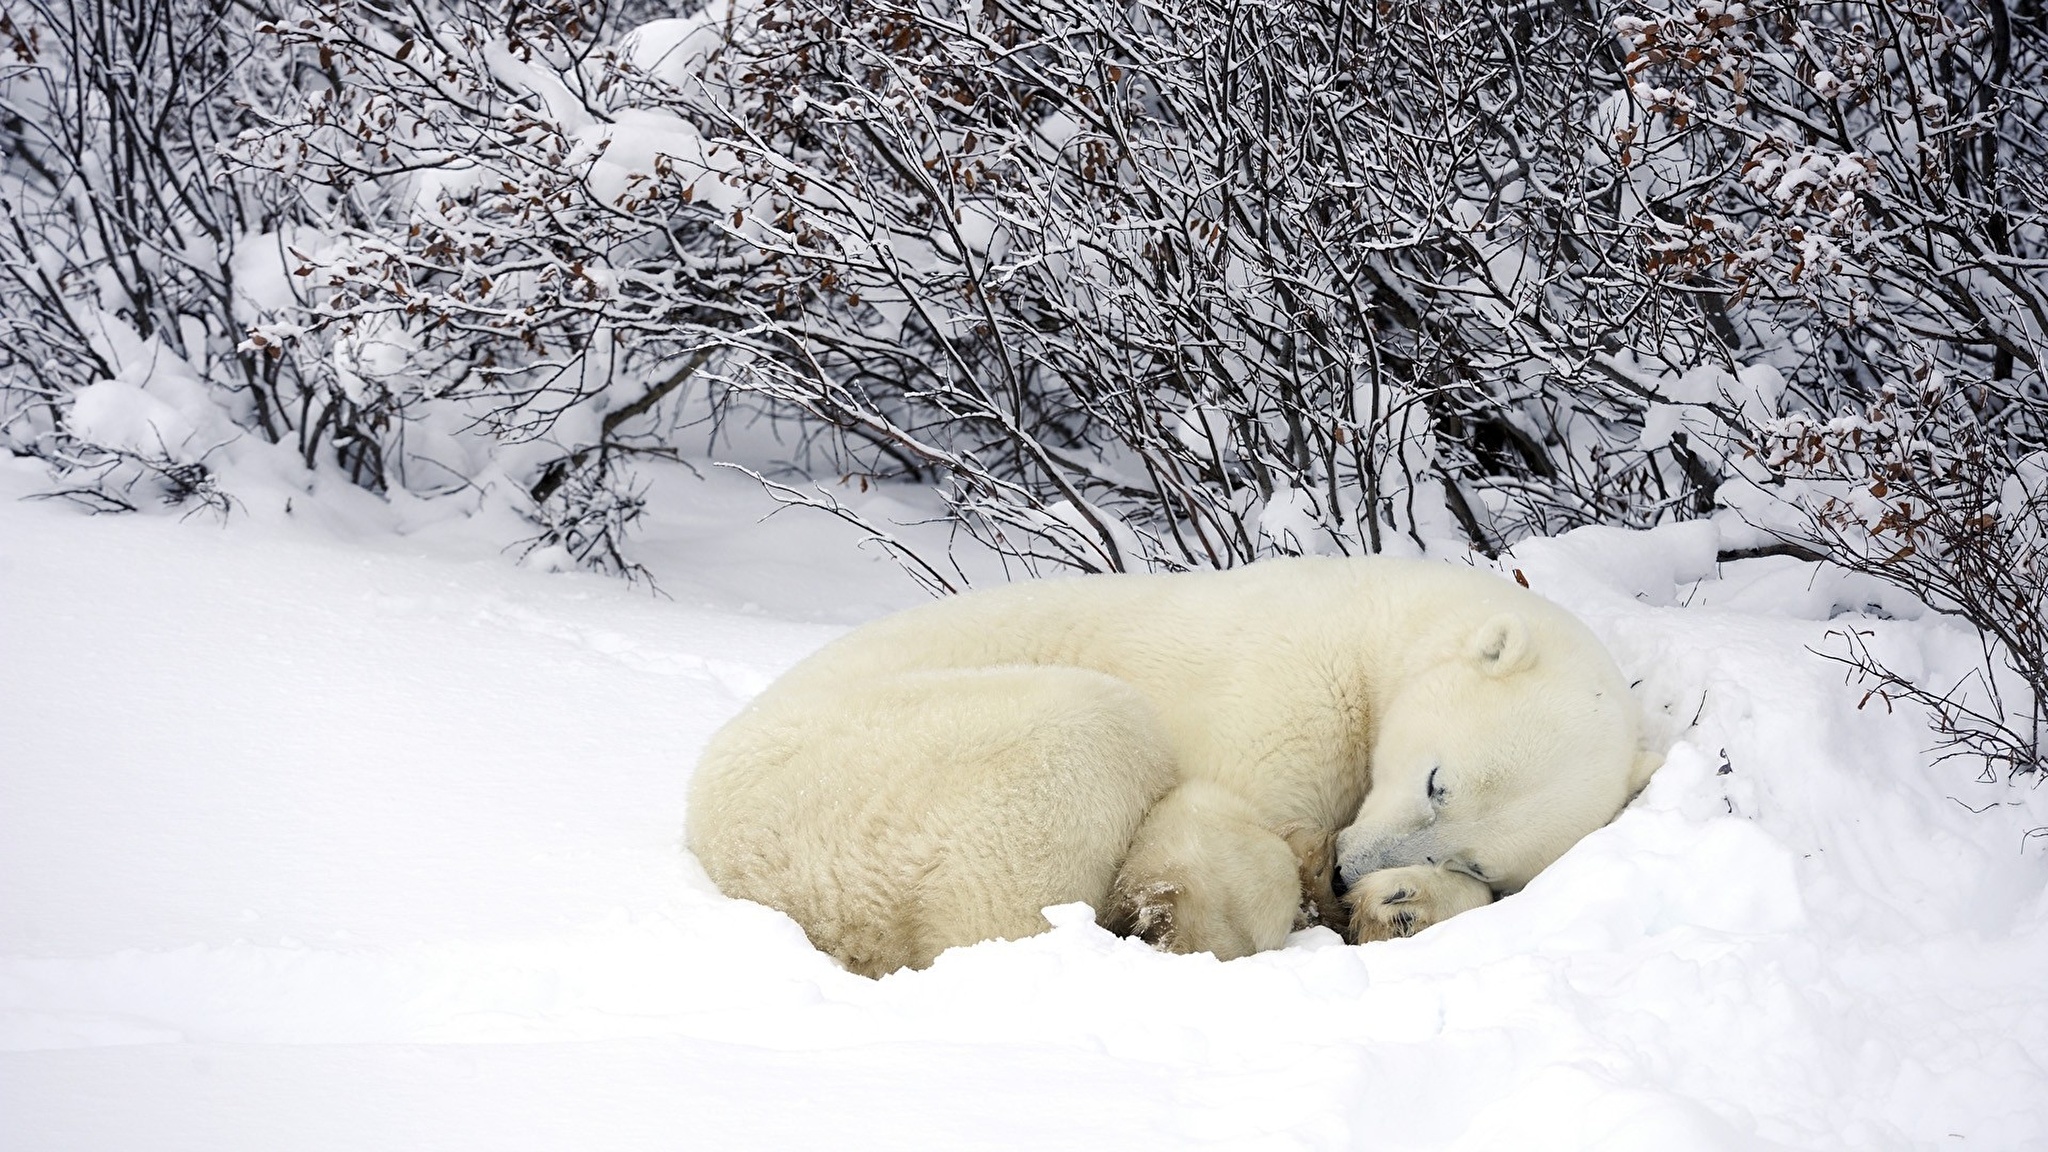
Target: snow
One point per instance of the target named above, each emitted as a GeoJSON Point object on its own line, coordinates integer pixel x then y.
{"type": "Point", "coordinates": [677, 50]}
{"type": "Point", "coordinates": [321, 831]}
{"type": "Point", "coordinates": [119, 415]}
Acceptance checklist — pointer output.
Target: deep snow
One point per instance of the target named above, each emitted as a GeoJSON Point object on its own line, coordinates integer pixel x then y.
{"type": "Point", "coordinates": [317, 837]}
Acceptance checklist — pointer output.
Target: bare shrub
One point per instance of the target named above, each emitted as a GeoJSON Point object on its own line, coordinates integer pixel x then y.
{"type": "Point", "coordinates": [1192, 283]}
{"type": "Point", "coordinates": [1879, 230]}
{"type": "Point", "coordinates": [1174, 285]}
{"type": "Point", "coordinates": [123, 234]}
{"type": "Point", "coordinates": [1178, 286]}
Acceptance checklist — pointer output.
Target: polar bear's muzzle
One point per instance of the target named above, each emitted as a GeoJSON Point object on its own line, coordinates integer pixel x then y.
{"type": "Point", "coordinates": [1355, 859]}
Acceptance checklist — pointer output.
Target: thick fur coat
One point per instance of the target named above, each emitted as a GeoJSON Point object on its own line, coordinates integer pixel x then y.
{"type": "Point", "coordinates": [1179, 751]}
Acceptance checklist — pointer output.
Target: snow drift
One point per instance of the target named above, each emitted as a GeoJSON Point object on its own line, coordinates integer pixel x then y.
{"type": "Point", "coordinates": [310, 843]}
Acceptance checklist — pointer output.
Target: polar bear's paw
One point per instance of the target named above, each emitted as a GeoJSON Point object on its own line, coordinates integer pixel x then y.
{"type": "Point", "coordinates": [1144, 911]}
{"type": "Point", "coordinates": [1403, 901]}
{"type": "Point", "coordinates": [1315, 854]}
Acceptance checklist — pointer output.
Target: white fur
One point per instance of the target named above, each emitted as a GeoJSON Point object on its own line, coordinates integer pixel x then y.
{"type": "Point", "coordinates": [1163, 748]}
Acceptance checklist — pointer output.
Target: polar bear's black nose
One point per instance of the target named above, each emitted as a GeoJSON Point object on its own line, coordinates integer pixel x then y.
{"type": "Point", "coordinates": [1337, 884]}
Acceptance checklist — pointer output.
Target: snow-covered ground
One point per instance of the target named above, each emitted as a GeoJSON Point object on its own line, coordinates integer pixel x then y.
{"type": "Point", "coordinates": [318, 838]}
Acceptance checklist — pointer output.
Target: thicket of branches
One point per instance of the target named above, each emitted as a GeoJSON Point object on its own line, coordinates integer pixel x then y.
{"type": "Point", "coordinates": [1873, 190]}
{"type": "Point", "coordinates": [1201, 281]}
{"type": "Point", "coordinates": [1173, 284]}
{"type": "Point", "coordinates": [126, 232]}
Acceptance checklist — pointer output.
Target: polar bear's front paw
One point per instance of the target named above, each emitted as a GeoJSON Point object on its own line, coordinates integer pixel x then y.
{"type": "Point", "coordinates": [1403, 901]}
{"type": "Point", "coordinates": [1315, 852]}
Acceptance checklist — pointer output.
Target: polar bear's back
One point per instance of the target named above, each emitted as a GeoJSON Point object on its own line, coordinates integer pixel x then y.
{"type": "Point", "coordinates": [1393, 614]}
{"type": "Point", "coordinates": [900, 816]}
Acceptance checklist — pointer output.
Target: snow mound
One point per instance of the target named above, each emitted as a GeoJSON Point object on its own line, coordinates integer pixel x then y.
{"type": "Point", "coordinates": [319, 845]}
{"type": "Point", "coordinates": [121, 416]}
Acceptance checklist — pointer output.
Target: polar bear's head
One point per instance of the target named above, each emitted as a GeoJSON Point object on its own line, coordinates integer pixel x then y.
{"type": "Point", "coordinates": [1496, 760]}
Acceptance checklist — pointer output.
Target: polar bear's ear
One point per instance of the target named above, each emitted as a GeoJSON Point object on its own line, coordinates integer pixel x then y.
{"type": "Point", "coordinates": [1502, 646]}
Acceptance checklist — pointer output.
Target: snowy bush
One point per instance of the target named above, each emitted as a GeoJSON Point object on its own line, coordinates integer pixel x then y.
{"type": "Point", "coordinates": [1196, 282]}
{"type": "Point", "coordinates": [137, 266]}
{"type": "Point", "coordinates": [1178, 286]}
{"type": "Point", "coordinates": [1174, 285]}
{"type": "Point", "coordinates": [1878, 223]}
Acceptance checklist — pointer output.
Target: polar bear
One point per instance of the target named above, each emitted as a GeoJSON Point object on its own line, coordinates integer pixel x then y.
{"type": "Point", "coordinates": [1197, 755]}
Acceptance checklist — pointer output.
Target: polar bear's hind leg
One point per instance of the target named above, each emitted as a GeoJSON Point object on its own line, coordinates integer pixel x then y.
{"type": "Point", "coordinates": [896, 818]}
{"type": "Point", "coordinates": [1060, 779]}
{"type": "Point", "coordinates": [1204, 875]}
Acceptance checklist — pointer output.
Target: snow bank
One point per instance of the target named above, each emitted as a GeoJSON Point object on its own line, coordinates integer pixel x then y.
{"type": "Point", "coordinates": [312, 845]}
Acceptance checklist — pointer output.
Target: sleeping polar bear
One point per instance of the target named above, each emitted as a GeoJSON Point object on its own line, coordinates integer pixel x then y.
{"type": "Point", "coordinates": [1175, 750]}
